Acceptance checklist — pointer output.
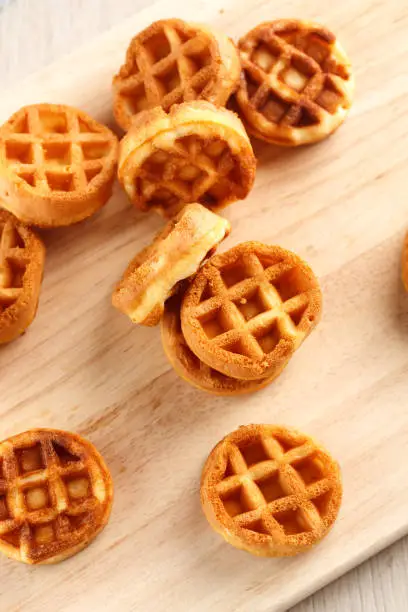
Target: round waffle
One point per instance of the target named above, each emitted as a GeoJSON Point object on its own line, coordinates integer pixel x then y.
{"type": "Point", "coordinates": [196, 153]}
{"type": "Point", "coordinates": [189, 367]}
{"type": "Point", "coordinates": [175, 254]}
{"type": "Point", "coordinates": [296, 84]}
{"type": "Point", "coordinates": [271, 490]}
{"type": "Point", "coordinates": [248, 310]}
{"type": "Point", "coordinates": [172, 62]}
{"type": "Point", "coordinates": [55, 495]}
{"type": "Point", "coordinates": [57, 164]}
{"type": "Point", "coordinates": [22, 256]}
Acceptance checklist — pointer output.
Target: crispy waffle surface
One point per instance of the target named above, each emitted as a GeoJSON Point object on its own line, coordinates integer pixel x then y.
{"type": "Point", "coordinates": [189, 367]}
{"type": "Point", "coordinates": [172, 62]}
{"type": "Point", "coordinates": [247, 310]}
{"type": "Point", "coordinates": [55, 495]}
{"type": "Point", "coordinates": [296, 84]}
{"type": "Point", "coordinates": [271, 490]}
{"type": "Point", "coordinates": [174, 255]}
{"type": "Point", "coordinates": [57, 164]}
{"type": "Point", "coordinates": [22, 256]}
{"type": "Point", "coordinates": [196, 153]}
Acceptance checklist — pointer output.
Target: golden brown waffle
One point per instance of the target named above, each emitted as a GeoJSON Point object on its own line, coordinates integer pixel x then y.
{"type": "Point", "coordinates": [175, 254]}
{"type": "Point", "coordinates": [271, 490]}
{"type": "Point", "coordinates": [189, 367]}
{"type": "Point", "coordinates": [404, 263]}
{"type": "Point", "coordinates": [296, 85]}
{"type": "Point", "coordinates": [249, 309]}
{"type": "Point", "coordinates": [172, 62]}
{"type": "Point", "coordinates": [57, 164]}
{"type": "Point", "coordinates": [196, 153]}
{"type": "Point", "coordinates": [55, 495]}
{"type": "Point", "coordinates": [22, 256]}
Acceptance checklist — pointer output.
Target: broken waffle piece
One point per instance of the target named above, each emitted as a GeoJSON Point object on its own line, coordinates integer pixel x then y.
{"type": "Point", "coordinates": [22, 256]}
{"type": "Point", "coordinates": [55, 495]}
{"type": "Point", "coordinates": [174, 255]}
{"type": "Point", "coordinates": [57, 164]}
{"type": "Point", "coordinates": [271, 490]}
{"type": "Point", "coordinates": [171, 62]}
{"type": "Point", "coordinates": [196, 153]}
{"type": "Point", "coordinates": [296, 84]}
{"type": "Point", "coordinates": [247, 310]}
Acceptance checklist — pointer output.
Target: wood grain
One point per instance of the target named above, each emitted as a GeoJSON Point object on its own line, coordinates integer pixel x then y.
{"type": "Point", "coordinates": [81, 366]}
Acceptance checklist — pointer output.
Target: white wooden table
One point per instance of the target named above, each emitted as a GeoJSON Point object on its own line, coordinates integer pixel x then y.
{"type": "Point", "coordinates": [32, 34]}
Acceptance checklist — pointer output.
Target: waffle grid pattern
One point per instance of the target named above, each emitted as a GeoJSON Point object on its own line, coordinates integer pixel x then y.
{"type": "Point", "coordinates": [45, 494]}
{"type": "Point", "coordinates": [280, 492]}
{"type": "Point", "coordinates": [192, 171]}
{"type": "Point", "coordinates": [253, 314]}
{"type": "Point", "coordinates": [294, 82]}
{"type": "Point", "coordinates": [54, 151]}
{"type": "Point", "coordinates": [168, 65]}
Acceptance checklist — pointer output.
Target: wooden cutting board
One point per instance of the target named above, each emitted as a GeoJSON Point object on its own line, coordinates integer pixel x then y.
{"type": "Point", "coordinates": [342, 205]}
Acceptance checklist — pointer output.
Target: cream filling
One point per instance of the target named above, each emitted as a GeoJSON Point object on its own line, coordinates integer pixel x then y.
{"type": "Point", "coordinates": [186, 265]}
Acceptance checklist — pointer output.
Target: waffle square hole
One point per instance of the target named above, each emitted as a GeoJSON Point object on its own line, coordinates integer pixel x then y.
{"type": "Point", "coordinates": [65, 457]}
{"type": "Point", "coordinates": [329, 98]}
{"type": "Point", "coordinates": [21, 152]}
{"type": "Point", "coordinates": [158, 46]}
{"type": "Point", "coordinates": [307, 118]}
{"type": "Point", "coordinates": [286, 444]}
{"type": "Point", "coordinates": [254, 453]}
{"type": "Point", "coordinates": [215, 149]}
{"type": "Point", "coordinates": [290, 283]}
{"type": "Point", "coordinates": [78, 521]}
{"type": "Point", "coordinates": [136, 99]}
{"type": "Point", "coordinates": [59, 152]}
{"type": "Point", "coordinates": [44, 534]}
{"type": "Point", "coordinates": [316, 48]}
{"type": "Point", "coordinates": [17, 270]}
{"type": "Point", "coordinates": [54, 123]}
{"type": "Point", "coordinates": [250, 306]}
{"type": "Point", "coordinates": [236, 501]}
{"type": "Point", "coordinates": [60, 182]}
{"type": "Point", "coordinates": [20, 125]}
{"type": "Point", "coordinates": [207, 293]}
{"type": "Point", "coordinates": [4, 511]}
{"type": "Point", "coordinates": [28, 177]}
{"type": "Point", "coordinates": [170, 78]}
{"type": "Point", "coordinates": [91, 173]}
{"type": "Point", "coordinates": [214, 323]}
{"type": "Point", "coordinates": [12, 537]}
{"type": "Point", "coordinates": [274, 108]}
{"type": "Point", "coordinates": [37, 498]}
{"type": "Point", "coordinates": [268, 337]}
{"type": "Point", "coordinates": [292, 522]}
{"type": "Point", "coordinates": [189, 173]}
{"type": "Point", "coordinates": [84, 127]}
{"type": "Point", "coordinates": [30, 459]}
{"type": "Point", "coordinates": [297, 313]}
{"type": "Point", "coordinates": [297, 74]}
{"type": "Point", "coordinates": [232, 275]}
{"type": "Point", "coordinates": [322, 503]}
{"type": "Point", "coordinates": [78, 487]}
{"type": "Point", "coordinates": [199, 59]}
{"type": "Point", "coordinates": [264, 57]}
{"type": "Point", "coordinates": [95, 150]}
{"type": "Point", "coordinates": [310, 469]}
{"type": "Point", "coordinates": [271, 487]}
{"type": "Point", "coordinates": [252, 84]}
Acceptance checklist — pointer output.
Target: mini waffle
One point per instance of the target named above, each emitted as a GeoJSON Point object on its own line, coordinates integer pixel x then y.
{"type": "Point", "coordinates": [196, 153]}
{"type": "Point", "coordinates": [296, 85]}
{"type": "Point", "coordinates": [175, 254]}
{"type": "Point", "coordinates": [189, 367]}
{"type": "Point", "coordinates": [21, 268]}
{"type": "Point", "coordinates": [404, 263]}
{"type": "Point", "coordinates": [55, 495]}
{"type": "Point", "coordinates": [271, 490]}
{"type": "Point", "coordinates": [57, 164]}
{"type": "Point", "coordinates": [248, 310]}
{"type": "Point", "coordinates": [172, 62]}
